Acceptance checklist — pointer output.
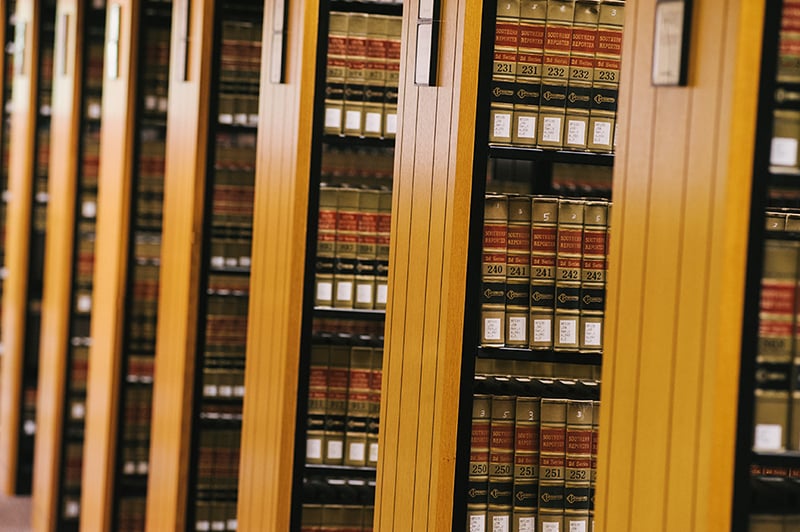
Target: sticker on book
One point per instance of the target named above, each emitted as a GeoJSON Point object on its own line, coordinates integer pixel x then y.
{"type": "Point", "coordinates": [391, 123]}
{"type": "Point", "coordinates": [576, 133]}
{"type": "Point", "coordinates": [314, 449]}
{"type": "Point", "coordinates": [526, 524]}
{"type": "Point", "coordinates": [492, 328]}
{"type": "Point", "coordinates": [218, 526]}
{"type": "Point", "coordinates": [352, 120]}
{"type": "Point", "coordinates": [541, 331]}
{"type": "Point", "coordinates": [356, 452]}
{"type": "Point", "coordinates": [551, 129]}
{"type": "Point", "coordinates": [372, 123]}
{"type": "Point", "coordinates": [783, 151]}
{"type": "Point", "coordinates": [550, 527]}
{"type": "Point", "coordinates": [526, 127]}
{"type": "Point", "coordinates": [500, 523]}
{"type": "Point", "coordinates": [566, 332]}
{"type": "Point", "coordinates": [477, 523]}
{"type": "Point", "coordinates": [769, 437]}
{"type": "Point", "coordinates": [577, 526]}
{"type": "Point", "coordinates": [601, 135]}
{"type": "Point", "coordinates": [517, 329]}
{"type": "Point", "coordinates": [333, 118]}
{"type": "Point", "coordinates": [344, 291]}
{"type": "Point", "coordinates": [324, 291]}
{"type": "Point", "coordinates": [335, 449]}
{"type": "Point", "coordinates": [501, 125]}
{"type": "Point", "coordinates": [592, 334]}
{"type": "Point", "coordinates": [364, 293]}
{"type": "Point", "coordinates": [373, 452]}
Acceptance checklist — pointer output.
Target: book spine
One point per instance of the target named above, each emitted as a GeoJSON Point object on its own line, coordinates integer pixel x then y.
{"type": "Point", "coordinates": [568, 274]}
{"type": "Point", "coordinates": [355, 70]}
{"type": "Point", "coordinates": [605, 86]}
{"type": "Point", "coordinates": [335, 70]}
{"type": "Point", "coordinates": [595, 444]}
{"type": "Point", "coordinates": [375, 75]}
{"type": "Point", "coordinates": [335, 418]}
{"type": "Point", "coordinates": [581, 73]}
{"type": "Point", "coordinates": [347, 217]}
{"type": "Point", "coordinates": [555, 73]}
{"type": "Point", "coordinates": [394, 32]}
{"type": "Point", "coordinates": [501, 458]}
{"type": "Point", "coordinates": [384, 230]}
{"type": "Point", "coordinates": [526, 462]}
{"type": "Point", "coordinates": [593, 277]}
{"type": "Point", "coordinates": [577, 494]}
{"type": "Point", "coordinates": [376, 378]}
{"type": "Point", "coordinates": [317, 401]}
{"type": "Point", "coordinates": [528, 83]}
{"type": "Point", "coordinates": [552, 442]}
{"type": "Point", "coordinates": [478, 480]}
{"type": "Point", "coordinates": [326, 246]}
{"type": "Point", "coordinates": [775, 337]}
{"type": "Point", "coordinates": [504, 69]}
{"type": "Point", "coordinates": [518, 279]}
{"type": "Point", "coordinates": [493, 279]}
{"type": "Point", "coordinates": [366, 250]}
{"type": "Point", "coordinates": [358, 405]}
{"type": "Point", "coordinates": [544, 227]}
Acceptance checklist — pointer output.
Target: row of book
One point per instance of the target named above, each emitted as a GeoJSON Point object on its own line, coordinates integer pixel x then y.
{"type": "Point", "coordinates": [533, 454]}
{"type": "Point", "coordinates": [362, 75]}
{"type": "Point", "coordinates": [135, 434]}
{"type": "Point", "coordinates": [224, 382]}
{"type": "Point", "coordinates": [226, 327]}
{"type": "Point", "coordinates": [555, 75]}
{"type": "Point", "coordinates": [337, 505]}
{"type": "Point", "coordinates": [775, 502]}
{"type": "Point", "coordinates": [786, 114]}
{"type": "Point", "coordinates": [131, 513]}
{"type": "Point", "coordinates": [777, 376]}
{"type": "Point", "coordinates": [544, 272]}
{"type": "Point", "coordinates": [352, 267]}
{"type": "Point", "coordinates": [344, 398]}
{"type": "Point", "coordinates": [240, 56]}
{"type": "Point", "coordinates": [357, 165]}
{"type": "Point", "coordinates": [215, 515]}
{"type": "Point", "coordinates": [234, 177]}
{"type": "Point", "coordinates": [218, 458]}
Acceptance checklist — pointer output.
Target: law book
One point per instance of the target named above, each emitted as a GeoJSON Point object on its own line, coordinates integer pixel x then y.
{"type": "Point", "coordinates": [336, 411]}
{"type": "Point", "coordinates": [555, 72]}
{"type": "Point", "coordinates": [335, 72]}
{"type": "Point", "coordinates": [788, 70]}
{"type": "Point", "coordinates": [785, 139]}
{"type": "Point", "coordinates": [581, 73]}
{"type": "Point", "coordinates": [358, 402]}
{"type": "Point", "coordinates": [375, 383]}
{"type": "Point", "coordinates": [518, 259]}
{"type": "Point", "coordinates": [593, 276]}
{"type": "Point", "coordinates": [394, 33]}
{"type": "Point", "coordinates": [366, 248]}
{"type": "Point", "coordinates": [501, 455]}
{"type": "Point", "coordinates": [544, 226]}
{"type": "Point", "coordinates": [493, 275]}
{"type": "Point", "coordinates": [578, 466]}
{"type": "Point", "coordinates": [568, 274]}
{"type": "Point", "coordinates": [317, 397]}
{"type": "Point", "coordinates": [347, 215]}
{"type": "Point", "coordinates": [777, 311]}
{"type": "Point", "coordinates": [355, 74]}
{"type": "Point", "coordinates": [384, 230]}
{"type": "Point", "coordinates": [375, 75]}
{"type": "Point", "coordinates": [528, 81]}
{"type": "Point", "coordinates": [552, 451]}
{"type": "Point", "coordinates": [526, 456]}
{"type": "Point", "coordinates": [478, 478]}
{"type": "Point", "coordinates": [504, 69]}
{"type": "Point", "coordinates": [593, 390]}
{"type": "Point", "coordinates": [605, 86]}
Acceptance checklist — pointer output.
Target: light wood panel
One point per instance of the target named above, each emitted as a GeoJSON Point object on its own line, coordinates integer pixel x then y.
{"type": "Point", "coordinates": [17, 243]}
{"type": "Point", "coordinates": [111, 249]}
{"type": "Point", "coordinates": [681, 194]}
{"type": "Point", "coordinates": [184, 191]}
{"type": "Point", "coordinates": [425, 312]}
{"type": "Point", "coordinates": [276, 282]}
{"type": "Point", "coordinates": [59, 245]}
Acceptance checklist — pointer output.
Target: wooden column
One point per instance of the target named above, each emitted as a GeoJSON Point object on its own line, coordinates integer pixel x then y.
{"type": "Point", "coordinates": [679, 234]}
{"type": "Point", "coordinates": [184, 196]}
{"type": "Point", "coordinates": [110, 276]}
{"type": "Point", "coordinates": [18, 224]}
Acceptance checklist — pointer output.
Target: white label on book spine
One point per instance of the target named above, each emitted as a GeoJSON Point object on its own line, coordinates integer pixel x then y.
{"type": "Point", "coordinates": [129, 468]}
{"type": "Point", "coordinates": [72, 509]}
{"type": "Point", "coordinates": [29, 427]}
{"type": "Point", "coordinates": [541, 331]}
{"type": "Point", "coordinates": [381, 293]}
{"type": "Point", "coordinates": [518, 329]}
{"type": "Point", "coordinates": [344, 291]}
{"type": "Point", "coordinates": [233, 524]}
{"type": "Point", "coordinates": [372, 122]}
{"type": "Point", "coordinates": [150, 102]}
{"type": "Point", "coordinates": [501, 126]}
{"type": "Point", "coordinates": [78, 411]}
{"type": "Point", "coordinates": [551, 129]}
{"type": "Point", "coordinates": [500, 523]}
{"type": "Point", "coordinates": [477, 523]}
{"type": "Point", "coordinates": [84, 303]}
{"type": "Point", "coordinates": [356, 452]}
{"type": "Point", "coordinates": [202, 526]}
{"type": "Point", "coordinates": [210, 390]}
{"type": "Point", "coordinates": [526, 127]}
{"type": "Point", "coordinates": [566, 331]}
{"type": "Point", "coordinates": [218, 526]}
{"type": "Point", "coordinates": [324, 291]}
{"type": "Point", "coordinates": [492, 328]}
{"type": "Point", "coordinates": [352, 120]}
{"type": "Point", "coordinates": [527, 524]}
{"type": "Point", "coordinates": [217, 262]}
{"type": "Point", "coordinates": [89, 209]}
{"type": "Point", "coordinates": [226, 390]}
{"type": "Point", "coordinates": [549, 527]}
{"type": "Point", "coordinates": [333, 117]}
{"type": "Point", "coordinates": [364, 293]}
{"type": "Point", "coordinates": [142, 467]}
{"type": "Point", "coordinates": [335, 449]}
{"type": "Point", "coordinates": [373, 452]}
{"type": "Point", "coordinates": [591, 334]}
{"type": "Point", "coordinates": [602, 133]}
{"type": "Point", "coordinates": [391, 123]}
{"type": "Point", "coordinates": [576, 133]}
{"type": "Point", "coordinates": [769, 437]}
{"type": "Point", "coordinates": [314, 448]}
{"type": "Point", "coordinates": [577, 526]}
{"type": "Point", "coordinates": [783, 152]}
